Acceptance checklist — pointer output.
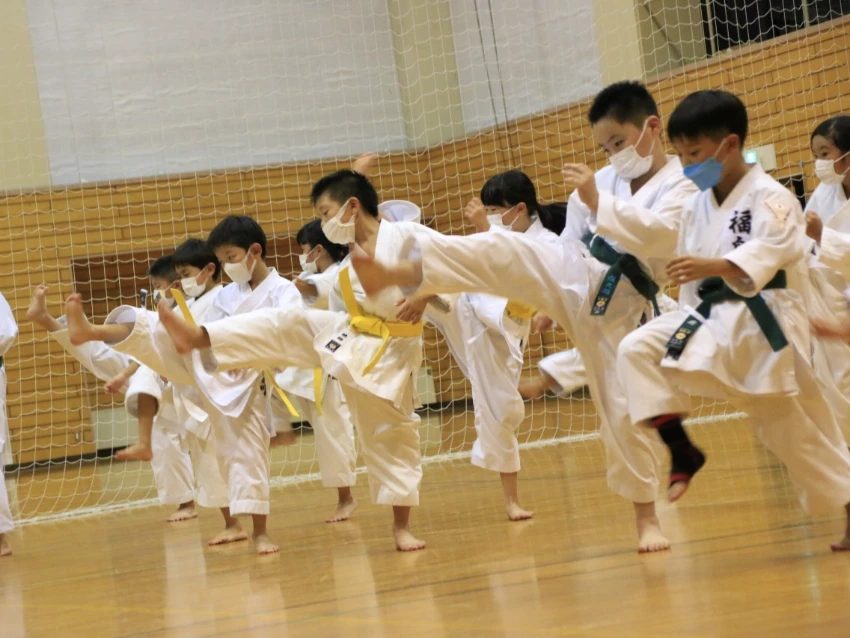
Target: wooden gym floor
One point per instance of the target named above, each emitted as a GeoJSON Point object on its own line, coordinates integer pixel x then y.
{"type": "Point", "coordinates": [746, 562]}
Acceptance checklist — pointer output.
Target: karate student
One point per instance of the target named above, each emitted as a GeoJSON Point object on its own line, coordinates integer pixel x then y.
{"type": "Point", "coordinates": [828, 221]}
{"type": "Point", "coordinates": [359, 341]}
{"type": "Point", "coordinates": [146, 399]}
{"type": "Point", "coordinates": [487, 335]}
{"type": "Point", "coordinates": [741, 334]}
{"type": "Point", "coordinates": [244, 396]}
{"type": "Point", "coordinates": [8, 334]}
{"type": "Point", "coordinates": [598, 294]}
{"type": "Point", "coordinates": [333, 431]}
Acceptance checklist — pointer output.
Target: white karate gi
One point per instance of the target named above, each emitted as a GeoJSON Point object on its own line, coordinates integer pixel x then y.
{"type": "Point", "coordinates": [8, 334]}
{"type": "Point", "coordinates": [381, 400]}
{"type": "Point", "coordinates": [825, 298]}
{"type": "Point", "coordinates": [239, 411]}
{"type": "Point", "coordinates": [759, 227]}
{"type": "Point", "coordinates": [171, 464]}
{"type": "Point", "coordinates": [488, 343]}
{"type": "Point", "coordinates": [830, 203]}
{"type": "Point", "coordinates": [333, 432]}
{"type": "Point", "coordinates": [562, 282]}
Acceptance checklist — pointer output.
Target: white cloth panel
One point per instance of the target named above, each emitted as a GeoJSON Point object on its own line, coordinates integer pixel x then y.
{"type": "Point", "coordinates": [547, 57]}
{"type": "Point", "coordinates": [158, 87]}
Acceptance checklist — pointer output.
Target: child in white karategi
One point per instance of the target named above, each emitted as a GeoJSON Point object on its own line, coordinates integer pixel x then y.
{"type": "Point", "coordinates": [742, 333]}
{"type": "Point", "coordinates": [320, 397]}
{"type": "Point", "coordinates": [487, 335]}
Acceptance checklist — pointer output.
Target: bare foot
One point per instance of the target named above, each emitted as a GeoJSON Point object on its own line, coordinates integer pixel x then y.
{"type": "Point", "coordinates": [651, 538]}
{"type": "Point", "coordinates": [79, 329]}
{"type": "Point", "coordinates": [185, 336]}
{"type": "Point", "coordinates": [5, 548]}
{"type": "Point", "coordinates": [841, 546]}
{"type": "Point", "coordinates": [405, 541]}
{"type": "Point", "coordinates": [373, 275]}
{"type": "Point", "coordinates": [533, 389]}
{"type": "Point", "coordinates": [282, 439]}
{"type": "Point", "coordinates": [232, 534]}
{"type": "Point", "coordinates": [264, 545]}
{"type": "Point", "coordinates": [516, 513]}
{"type": "Point", "coordinates": [344, 510]}
{"type": "Point", "coordinates": [136, 452]}
{"type": "Point", "coordinates": [37, 311]}
{"type": "Point", "coordinates": [184, 513]}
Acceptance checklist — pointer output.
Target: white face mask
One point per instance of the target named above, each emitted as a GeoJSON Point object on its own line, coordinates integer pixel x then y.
{"type": "Point", "coordinates": [628, 163]}
{"type": "Point", "coordinates": [825, 170]}
{"type": "Point", "coordinates": [497, 219]}
{"type": "Point", "coordinates": [311, 267]}
{"type": "Point", "coordinates": [239, 272]}
{"type": "Point", "coordinates": [340, 232]}
{"type": "Point", "coordinates": [159, 295]}
{"type": "Point", "coordinates": [192, 287]}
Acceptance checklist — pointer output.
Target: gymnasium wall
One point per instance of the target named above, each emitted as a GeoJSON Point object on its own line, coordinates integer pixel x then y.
{"type": "Point", "coordinates": [100, 235]}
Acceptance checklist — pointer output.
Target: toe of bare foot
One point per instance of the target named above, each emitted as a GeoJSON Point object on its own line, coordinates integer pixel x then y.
{"type": "Point", "coordinates": [516, 513]}
{"type": "Point", "coordinates": [343, 512]}
{"type": "Point", "coordinates": [267, 547]}
{"type": "Point", "coordinates": [842, 546]}
{"type": "Point", "coordinates": [228, 536]}
{"type": "Point", "coordinates": [182, 515]}
{"type": "Point", "coordinates": [407, 542]}
{"type": "Point", "coordinates": [648, 546]}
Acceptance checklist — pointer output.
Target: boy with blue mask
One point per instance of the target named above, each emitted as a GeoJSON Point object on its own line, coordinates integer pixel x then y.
{"type": "Point", "coordinates": [741, 333]}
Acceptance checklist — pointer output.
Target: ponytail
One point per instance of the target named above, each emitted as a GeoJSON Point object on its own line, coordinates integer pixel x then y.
{"type": "Point", "coordinates": [553, 216]}
{"type": "Point", "coordinates": [515, 187]}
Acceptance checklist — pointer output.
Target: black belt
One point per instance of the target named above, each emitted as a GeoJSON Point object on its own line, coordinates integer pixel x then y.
{"type": "Point", "coordinates": [621, 265]}
{"type": "Point", "coordinates": [713, 291]}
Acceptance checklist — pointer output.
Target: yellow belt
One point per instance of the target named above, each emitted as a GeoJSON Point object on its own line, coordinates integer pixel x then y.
{"type": "Point", "coordinates": [187, 315]}
{"type": "Point", "coordinates": [520, 310]}
{"type": "Point", "coordinates": [370, 325]}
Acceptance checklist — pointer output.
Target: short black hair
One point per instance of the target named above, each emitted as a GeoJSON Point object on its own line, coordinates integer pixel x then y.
{"type": "Point", "coordinates": [710, 113]}
{"type": "Point", "coordinates": [623, 102]}
{"type": "Point", "coordinates": [163, 268]}
{"type": "Point", "coordinates": [515, 187]}
{"type": "Point", "coordinates": [311, 235]}
{"type": "Point", "coordinates": [342, 185]}
{"type": "Point", "coordinates": [237, 230]}
{"type": "Point", "coordinates": [836, 130]}
{"type": "Point", "coordinates": [197, 253]}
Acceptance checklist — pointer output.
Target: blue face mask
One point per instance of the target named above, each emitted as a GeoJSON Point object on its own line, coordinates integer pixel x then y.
{"type": "Point", "coordinates": [706, 174]}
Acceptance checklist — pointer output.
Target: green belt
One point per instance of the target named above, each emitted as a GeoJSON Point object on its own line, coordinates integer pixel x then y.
{"type": "Point", "coordinates": [621, 265]}
{"type": "Point", "coordinates": [713, 291]}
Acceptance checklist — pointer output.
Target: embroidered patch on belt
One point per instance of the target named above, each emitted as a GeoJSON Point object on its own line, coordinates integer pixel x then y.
{"type": "Point", "coordinates": [680, 338]}
{"type": "Point", "coordinates": [606, 291]}
{"type": "Point", "coordinates": [333, 345]}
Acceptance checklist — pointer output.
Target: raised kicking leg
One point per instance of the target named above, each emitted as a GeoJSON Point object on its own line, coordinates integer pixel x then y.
{"type": "Point", "coordinates": [81, 330]}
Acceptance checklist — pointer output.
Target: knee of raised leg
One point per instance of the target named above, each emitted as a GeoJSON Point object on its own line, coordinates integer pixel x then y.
{"type": "Point", "coordinates": [630, 345]}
